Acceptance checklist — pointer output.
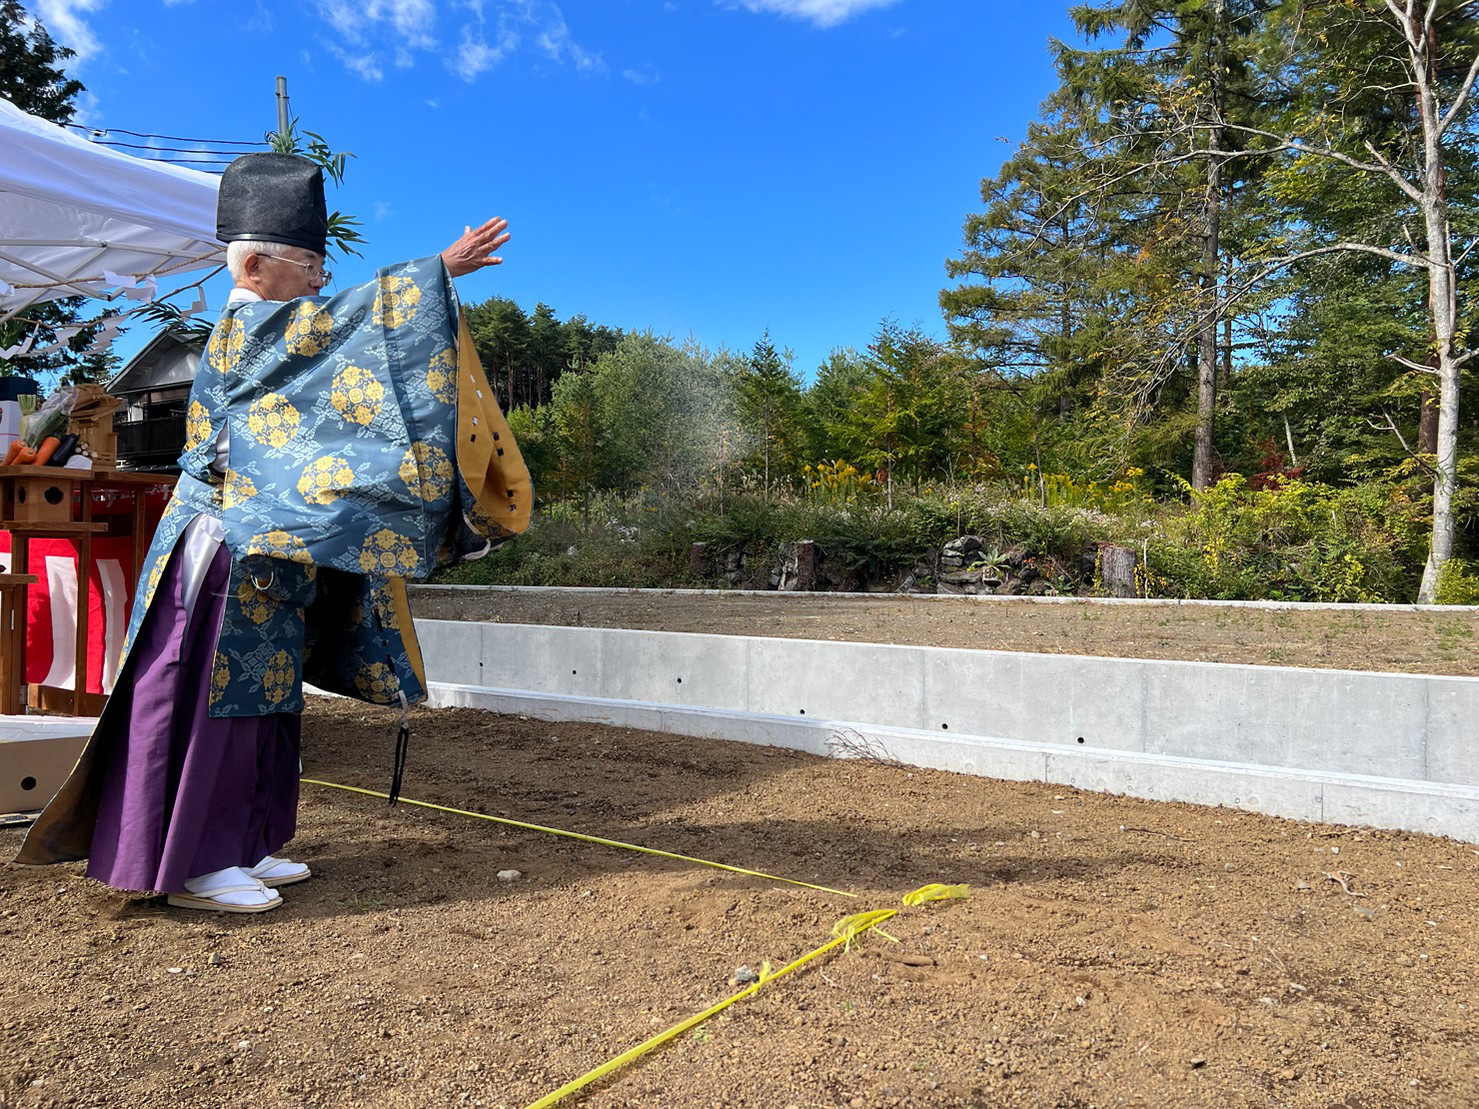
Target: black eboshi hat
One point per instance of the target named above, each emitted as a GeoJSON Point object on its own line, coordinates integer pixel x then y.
{"type": "Point", "coordinates": [276, 198]}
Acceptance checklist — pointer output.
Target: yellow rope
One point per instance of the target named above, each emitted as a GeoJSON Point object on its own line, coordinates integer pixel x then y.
{"type": "Point", "coordinates": [678, 1029]}
{"type": "Point", "coordinates": [936, 892]}
{"type": "Point", "coordinates": [844, 933]}
{"type": "Point", "coordinates": [583, 838]}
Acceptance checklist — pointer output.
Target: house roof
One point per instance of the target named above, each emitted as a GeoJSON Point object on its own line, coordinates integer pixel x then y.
{"type": "Point", "coordinates": [164, 361]}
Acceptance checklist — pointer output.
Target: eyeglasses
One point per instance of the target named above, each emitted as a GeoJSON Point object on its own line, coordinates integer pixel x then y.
{"type": "Point", "coordinates": [312, 271]}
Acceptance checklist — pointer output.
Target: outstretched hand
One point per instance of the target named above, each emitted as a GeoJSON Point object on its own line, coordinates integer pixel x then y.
{"type": "Point", "coordinates": [475, 248]}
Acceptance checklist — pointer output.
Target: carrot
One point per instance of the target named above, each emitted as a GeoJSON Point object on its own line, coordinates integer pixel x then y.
{"type": "Point", "coordinates": [13, 451]}
{"type": "Point", "coordinates": [46, 449]}
{"type": "Point", "coordinates": [26, 456]}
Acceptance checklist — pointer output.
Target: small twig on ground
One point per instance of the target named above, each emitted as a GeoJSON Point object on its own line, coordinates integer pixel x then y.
{"type": "Point", "coordinates": [848, 743]}
{"type": "Point", "coordinates": [1153, 832]}
{"type": "Point", "coordinates": [1344, 878]}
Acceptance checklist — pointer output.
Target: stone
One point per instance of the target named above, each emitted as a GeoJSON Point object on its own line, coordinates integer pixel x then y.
{"type": "Point", "coordinates": [783, 572]}
{"type": "Point", "coordinates": [510, 875]}
{"type": "Point", "coordinates": [960, 581]}
{"type": "Point", "coordinates": [962, 548]}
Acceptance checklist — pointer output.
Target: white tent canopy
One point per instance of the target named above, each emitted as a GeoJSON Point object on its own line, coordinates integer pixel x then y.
{"type": "Point", "coordinates": [75, 216]}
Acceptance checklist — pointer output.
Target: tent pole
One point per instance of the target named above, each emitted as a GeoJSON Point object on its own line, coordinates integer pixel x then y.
{"type": "Point", "coordinates": [282, 105]}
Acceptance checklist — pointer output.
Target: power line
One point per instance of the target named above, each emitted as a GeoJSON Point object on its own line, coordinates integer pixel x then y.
{"type": "Point", "coordinates": [178, 149]}
{"type": "Point", "coordinates": [167, 138]}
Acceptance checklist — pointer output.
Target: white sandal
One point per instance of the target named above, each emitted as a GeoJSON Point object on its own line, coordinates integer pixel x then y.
{"type": "Point", "coordinates": [231, 890]}
{"type": "Point", "coordinates": [272, 871]}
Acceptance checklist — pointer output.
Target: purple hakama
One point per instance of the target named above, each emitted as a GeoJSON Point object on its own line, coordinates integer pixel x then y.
{"type": "Point", "coordinates": [181, 793]}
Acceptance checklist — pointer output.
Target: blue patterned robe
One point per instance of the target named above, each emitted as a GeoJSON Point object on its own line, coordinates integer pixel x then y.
{"type": "Point", "coordinates": [361, 453]}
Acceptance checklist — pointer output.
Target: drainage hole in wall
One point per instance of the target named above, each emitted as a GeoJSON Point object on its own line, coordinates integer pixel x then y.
{"type": "Point", "coordinates": [572, 671]}
{"type": "Point", "coordinates": [28, 783]}
{"type": "Point", "coordinates": [1080, 739]}
{"type": "Point", "coordinates": [945, 727]}
{"type": "Point", "coordinates": [680, 681]}
{"type": "Point", "coordinates": [803, 712]}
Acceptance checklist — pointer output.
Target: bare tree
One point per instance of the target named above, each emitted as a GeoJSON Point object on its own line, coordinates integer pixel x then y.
{"type": "Point", "coordinates": [1431, 46]}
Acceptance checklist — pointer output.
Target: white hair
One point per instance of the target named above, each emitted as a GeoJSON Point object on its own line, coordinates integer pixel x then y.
{"type": "Point", "coordinates": [237, 252]}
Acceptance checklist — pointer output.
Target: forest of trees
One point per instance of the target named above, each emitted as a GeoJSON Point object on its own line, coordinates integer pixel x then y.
{"type": "Point", "coordinates": [1236, 241]}
{"type": "Point", "coordinates": [1236, 245]}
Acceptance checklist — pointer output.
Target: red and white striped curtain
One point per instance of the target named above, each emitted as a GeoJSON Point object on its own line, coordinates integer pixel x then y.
{"type": "Point", "coordinates": [51, 622]}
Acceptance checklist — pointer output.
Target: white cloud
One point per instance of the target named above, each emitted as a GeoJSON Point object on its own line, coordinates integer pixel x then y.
{"type": "Point", "coordinates": [343, 17]}
{"type": "Point", "coordinates": [823, 13]}
{"type": "Point", "coordinates": [476, 55]}
{"type": "Point", "coordinates": [371, 31]}
{"type": "Point", "coordinates": [63, 20]}
{"type": "Point", "coordinates": [383, 209]}
{"type": "Point", "coordinates": [412, 21]}
{"type": "Point", "coordinates": [366, 66]}
{"type": "Point", "coordinates": [518, 22]}
{"type": "Point", "coordinates": [555, 41]}
{"type": "Point", "coordinates": [639, 77]}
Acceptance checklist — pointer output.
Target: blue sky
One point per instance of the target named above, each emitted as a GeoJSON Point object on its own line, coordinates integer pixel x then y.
{"type": "Point", "coordinates": [703, 167]}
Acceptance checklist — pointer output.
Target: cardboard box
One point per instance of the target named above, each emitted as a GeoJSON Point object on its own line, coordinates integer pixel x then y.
{"type": "Point", "coordinates": [36, 755]}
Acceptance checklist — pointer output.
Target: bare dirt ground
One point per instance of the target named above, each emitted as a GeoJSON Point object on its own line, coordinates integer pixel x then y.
{"type": "Point", "coordinates": [1419, 641]}
{"type": "Point", "coordinates": [1113, 952]}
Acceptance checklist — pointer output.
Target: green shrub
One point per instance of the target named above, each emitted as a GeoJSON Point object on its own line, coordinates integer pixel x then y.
{"type": "Point", "coordinates": [1458, 584]}
{"type": "Point", "coordinates": [1300, 541]}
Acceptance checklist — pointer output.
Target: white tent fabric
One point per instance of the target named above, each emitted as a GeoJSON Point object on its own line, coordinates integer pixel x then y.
{"type": "Point", "coordinates": [74, 216]}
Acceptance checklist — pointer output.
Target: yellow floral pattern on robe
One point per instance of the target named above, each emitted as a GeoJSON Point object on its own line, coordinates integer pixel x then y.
{"type": "Point", "coordinates": [156, 574]}
{"type": "Point", "coordinates": [309, 330]}
{"type": "Point", "coordinates": [279, 677]}
{"type": "Point", "coordinates": [257, 605]}
{"type": "Point", "coordinates": [220, 677]}
{"type": "Point", "coordinates": [197, 424]}
{"type": "Point", "coordinates": [357, 395]}
{"type": "Point", "coordinates": [279, 544]}
{"type": "Point", "coordinates": [441, 375]}
{"type": "Point", "coordinates": [237, 489]}
{"type": "Point", "coordinates": [396, 301]}
{"type": "Point", "coordinates": [427, 471]}
{"type": "Point", "coordinates": [376, 682]}
{"type": "Point", "coordinates": [224, 349]}
{"type": "Point", "coordinates": [322, 479]}
{"type": "Point", "coordinates": [388, 554]}
{"type": "Point", "coordinates": [385, 609]}
{"type": "Point", "coordinates": [272, 420]}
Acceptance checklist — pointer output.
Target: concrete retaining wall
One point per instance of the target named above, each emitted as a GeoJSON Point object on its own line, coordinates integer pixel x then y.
{"type": "Point", "coordinates": [1389, 750]}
